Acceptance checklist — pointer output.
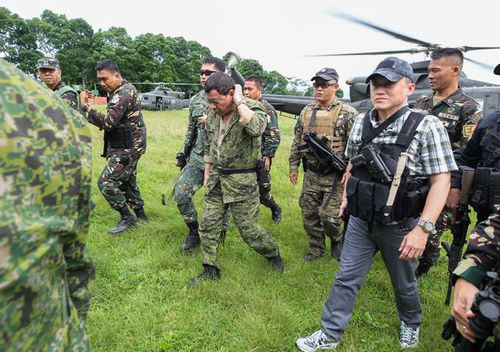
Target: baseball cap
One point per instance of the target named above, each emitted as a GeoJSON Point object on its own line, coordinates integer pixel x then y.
{"type": "Point", "coordinates": [327, 74]}
{"type": "Point", "coordinates": [393, 69]}
{"type": "Point", "coordinates": [48, 62]}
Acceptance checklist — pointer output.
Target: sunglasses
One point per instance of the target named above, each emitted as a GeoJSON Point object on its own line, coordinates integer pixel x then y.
{"type": "Point", "coordinates": [206, 72]}
{"type": "Point", "coordinates": [322, 84]}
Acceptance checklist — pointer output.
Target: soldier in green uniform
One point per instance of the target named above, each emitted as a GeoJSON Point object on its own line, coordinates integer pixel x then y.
{"type": "Point", "coordinates": [190, 160]}
{"type": "Point", "coordinates": [45, 182]}
{"type": "Point", "coordinates": [320, 199]}
{"type": "Point", "coordinates": [124, 144]}
{"type": "Point", "coordinates": [457, 111]}
{"type": "Point", "coordinates": [270, 142]}
{"type": "Point", "coordinates": [50, 73]}
{"type": "Point", "coordinates": [482, 255]}
{"type": "Point", "coordinates": [232, 150]}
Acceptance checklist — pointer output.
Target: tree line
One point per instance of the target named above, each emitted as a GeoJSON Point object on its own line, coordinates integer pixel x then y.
{"type": "Point", "coordinates": [143, 60]}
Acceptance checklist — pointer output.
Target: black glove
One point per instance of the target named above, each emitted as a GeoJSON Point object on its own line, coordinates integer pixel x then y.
{"type": "Point", "coordinates": [181, 160]}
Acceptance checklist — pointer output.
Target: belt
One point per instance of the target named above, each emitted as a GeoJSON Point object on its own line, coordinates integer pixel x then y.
{"type": "Point", "coordinates": [225, 171]}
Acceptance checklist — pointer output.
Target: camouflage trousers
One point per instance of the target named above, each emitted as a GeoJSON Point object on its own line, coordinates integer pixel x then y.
{"type": "Point", "coordinates": [320, 219]}
{"type": "Point", "coordinates": [117, 182]}
{"type": "Point", "coordinates": [245, 215]}
{"type": "Point", "coordinates": [264, 180]}
{"type": "Point", "coordinates": [189, 182]}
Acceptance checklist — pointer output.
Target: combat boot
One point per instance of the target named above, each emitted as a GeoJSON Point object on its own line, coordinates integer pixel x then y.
{"type": "Point", "coordinates": [209, 273]}
{"type": "Point", "coordinates": [336, 250]}
{"type": "Point", "coordinates": [127, 221]}
{"type": "Point", "coordinates": [140, 214]}
{"type": "Point", "coordinates": [277, 263]}
{"type": "Point", "coordinates": [193, 237]}
{"type": "Point", "coordinates": [276, 213]}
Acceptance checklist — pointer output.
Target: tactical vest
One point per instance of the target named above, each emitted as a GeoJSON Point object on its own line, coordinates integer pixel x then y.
{"type": "Point", "coordinates": [323, 122]}
{"type": "Point", "coordinates": [485, 192]}
{"type": "Point", "coordinates": [65, 89]}
{"type": "Point", "coordinates": [367, 196]}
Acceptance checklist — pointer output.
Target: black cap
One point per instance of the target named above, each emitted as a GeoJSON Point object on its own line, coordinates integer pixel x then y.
{"type": "Point", "coordinates": [393, 69]}
{"type": "Point", "coordinates": [327, 74]}
{"type": "Point", "coordinates": [497, 70]}
{"type": "Point", "coordinates": [48, 62]}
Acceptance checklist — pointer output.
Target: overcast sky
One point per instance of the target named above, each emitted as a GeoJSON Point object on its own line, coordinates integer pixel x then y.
{"type": "Point", "coordinates": [279, 34]}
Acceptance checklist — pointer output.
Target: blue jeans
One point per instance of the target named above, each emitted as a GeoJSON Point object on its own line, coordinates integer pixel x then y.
{"type": "Point", "coordinates": [360, 245]}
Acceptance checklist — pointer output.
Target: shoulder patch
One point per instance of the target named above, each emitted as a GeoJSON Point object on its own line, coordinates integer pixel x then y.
{"type": "Point", "coordinates": [115, 99]}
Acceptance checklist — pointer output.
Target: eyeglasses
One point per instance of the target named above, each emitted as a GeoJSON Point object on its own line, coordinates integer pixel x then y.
{"type": "Point", "coordinates": [206, 72]}
{"type": "Point", "coordinates": [323, 84]}
{"type": "Point", "coordinates": [214, 101]}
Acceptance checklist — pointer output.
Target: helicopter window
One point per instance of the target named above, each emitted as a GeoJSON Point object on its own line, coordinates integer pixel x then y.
{"type": "Point", "coordinates": [144, 97]}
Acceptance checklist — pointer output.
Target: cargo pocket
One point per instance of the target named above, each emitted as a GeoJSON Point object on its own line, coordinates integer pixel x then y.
{"type": "Point", "coordinates": [351, 191]}
{"type": "Point", "coordinates": [365, 200]}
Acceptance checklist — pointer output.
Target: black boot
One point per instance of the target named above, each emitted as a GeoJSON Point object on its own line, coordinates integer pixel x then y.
{"type": "Point", "coordinates": [276, 213]}
{"type": "Point", "coordinates": [209, 273]}
{"type": "Point", "coordinates": [127, 221]}
{"type": "Point", "coordinates": [140, 214]}
{"type": "Point", "coordinates": [193, 237]}
{"type": "Point", "coordinates": [336, 250]}
{"type": "Point", "coordinates": [277, 263]}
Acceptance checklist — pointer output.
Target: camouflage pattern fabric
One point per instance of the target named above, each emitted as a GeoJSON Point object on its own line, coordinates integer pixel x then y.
{"type": "Point", "coordinates": [69, 95]}
{"type": "Point", "coordinates": [316, 188]}
{"type": "Point", "coordinates": [117, 181]}
{"type": "Point", "coordinates": [458, 113]}
{"type": "Point", "coordinates": [264, 181]}
{"type": "Point", "coordinates": [198, 107]}
{"type": "Point", "coordinates": [45, 183]}
{"type": "Point", "coordinates": [231, 147]}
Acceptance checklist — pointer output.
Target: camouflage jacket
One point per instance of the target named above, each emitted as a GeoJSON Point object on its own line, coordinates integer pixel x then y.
{"type": "Point", "coordinates": [45, 183]}
{"type": "Point", "coordinates": [69, 95]}
{"type": "Point", "coordinates": [342, 128]}
{"type": "Point", "coordinates": [483, 253]}
{"type": "Point", "coordinates": [458, 113]}
{"type": "Point", "coordinates": [234, 146]}
{"type": "Point", "coordinates": [271, 137]}
{"type": "Point", "coordinates": [195, 135]}
{"type": "Point", "coordinates": [123, 111]}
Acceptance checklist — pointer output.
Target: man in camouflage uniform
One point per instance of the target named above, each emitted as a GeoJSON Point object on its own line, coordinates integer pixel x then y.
{"type": "Point", "coordinates": [457, 111]}
{"type": "Point", "coordinates": [320, 199]}
{"type": "Point", "coordinates": [191, 159]}
{"type": "Point", "coordinates": [124, 144]}
{"type": "Point", "coordinates": [482, 255]}
{"type": "Point", "coordinates": [45, 182]}
{"type": "Point", "coordinates": [270, 142]}
{"type": "Point", "coordinates": [232, 150]}
{"type": "Point", "coordinates": [50, 73]}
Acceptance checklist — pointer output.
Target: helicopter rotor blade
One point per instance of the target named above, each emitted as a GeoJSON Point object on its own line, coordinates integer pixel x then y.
{"type": "Point", "coordinates": [480, 64]}
{"type": "Point", "coordinates": [469, 48]}
{"type": "Point", "coordinates": [404, 51]}
{"type": "Point", "coordinates": [381, 29]}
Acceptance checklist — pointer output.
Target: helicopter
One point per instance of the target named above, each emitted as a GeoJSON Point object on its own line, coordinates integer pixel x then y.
{"type": "Point", "coordinates": [163, 98]}
{"type": "Point", "coordinates": [487, 94]}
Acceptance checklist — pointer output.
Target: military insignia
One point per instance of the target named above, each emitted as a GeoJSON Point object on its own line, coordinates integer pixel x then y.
{"type": "Point", "coordinates": [467, 130]}
{"type": "Point", "coordinates": [115, 99]}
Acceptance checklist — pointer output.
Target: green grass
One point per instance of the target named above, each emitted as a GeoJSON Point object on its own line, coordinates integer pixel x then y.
{"type": "Point", "coordinates": [141, 301]}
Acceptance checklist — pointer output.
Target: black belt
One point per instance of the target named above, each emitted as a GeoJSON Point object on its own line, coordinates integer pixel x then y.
{"type": "Point", "coordinates": [225, 171]}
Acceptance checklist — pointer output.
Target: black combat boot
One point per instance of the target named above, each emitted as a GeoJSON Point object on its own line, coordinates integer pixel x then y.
{"type": "Point", "coordinates": [336, 250]}
{"type": "Point", "coordinates": [127, 221]}
{"type": "Point", "coordinates": [140, 214]}
{"type": "Point", "coordinates": [277, 263]}
{"type": "Point", "coordinates": [276, 213]}
{"type": "Point", "coordinates": [193, 237]}
{"type": "Point", "coordinates": [209, 273]}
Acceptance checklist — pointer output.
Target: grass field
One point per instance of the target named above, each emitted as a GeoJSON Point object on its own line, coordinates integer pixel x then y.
{"type": "Point", "coordinates": [141, 301]}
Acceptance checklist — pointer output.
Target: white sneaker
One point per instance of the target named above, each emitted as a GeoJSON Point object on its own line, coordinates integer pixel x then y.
{"type": "Point", "coordinates": [408, 337]}
{"type": "Point", "coordinates": [315, 342]}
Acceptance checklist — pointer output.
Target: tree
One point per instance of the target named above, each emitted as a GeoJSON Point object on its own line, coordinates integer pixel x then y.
{"type": "Point", "coordinates": [249, 67]}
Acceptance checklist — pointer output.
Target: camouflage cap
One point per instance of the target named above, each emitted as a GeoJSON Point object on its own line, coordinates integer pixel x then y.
{"type": "Point", "coordinates": [327, 74]}
{"type": "Point", "coordinates": [393, 69]}
{"type": "Point", "coordinates": [48, 62]}
{"type": "Point", "coordinates": [497, 70]}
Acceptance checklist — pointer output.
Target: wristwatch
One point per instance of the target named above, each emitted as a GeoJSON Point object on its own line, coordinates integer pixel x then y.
{"type": "Point", "coordinates": [427, 226]}
{"type": "Point", "coordinates": [86, 107]}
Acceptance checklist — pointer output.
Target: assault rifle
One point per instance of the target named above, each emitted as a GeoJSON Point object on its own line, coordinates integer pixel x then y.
{"type": "Point", "coordinates": [327, 159]}
{"type": "Point", "coordinates": [459, 228]}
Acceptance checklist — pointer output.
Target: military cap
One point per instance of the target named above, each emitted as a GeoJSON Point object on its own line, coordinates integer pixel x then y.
{"type": "Point", "coordinates": [48, 62]}
{"type": "Point", "coordinates": [327, 74]}
{"type": "Point", "coordinates": [393, 69]}
{"type": "Point", "coordinates": [497, 70]}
